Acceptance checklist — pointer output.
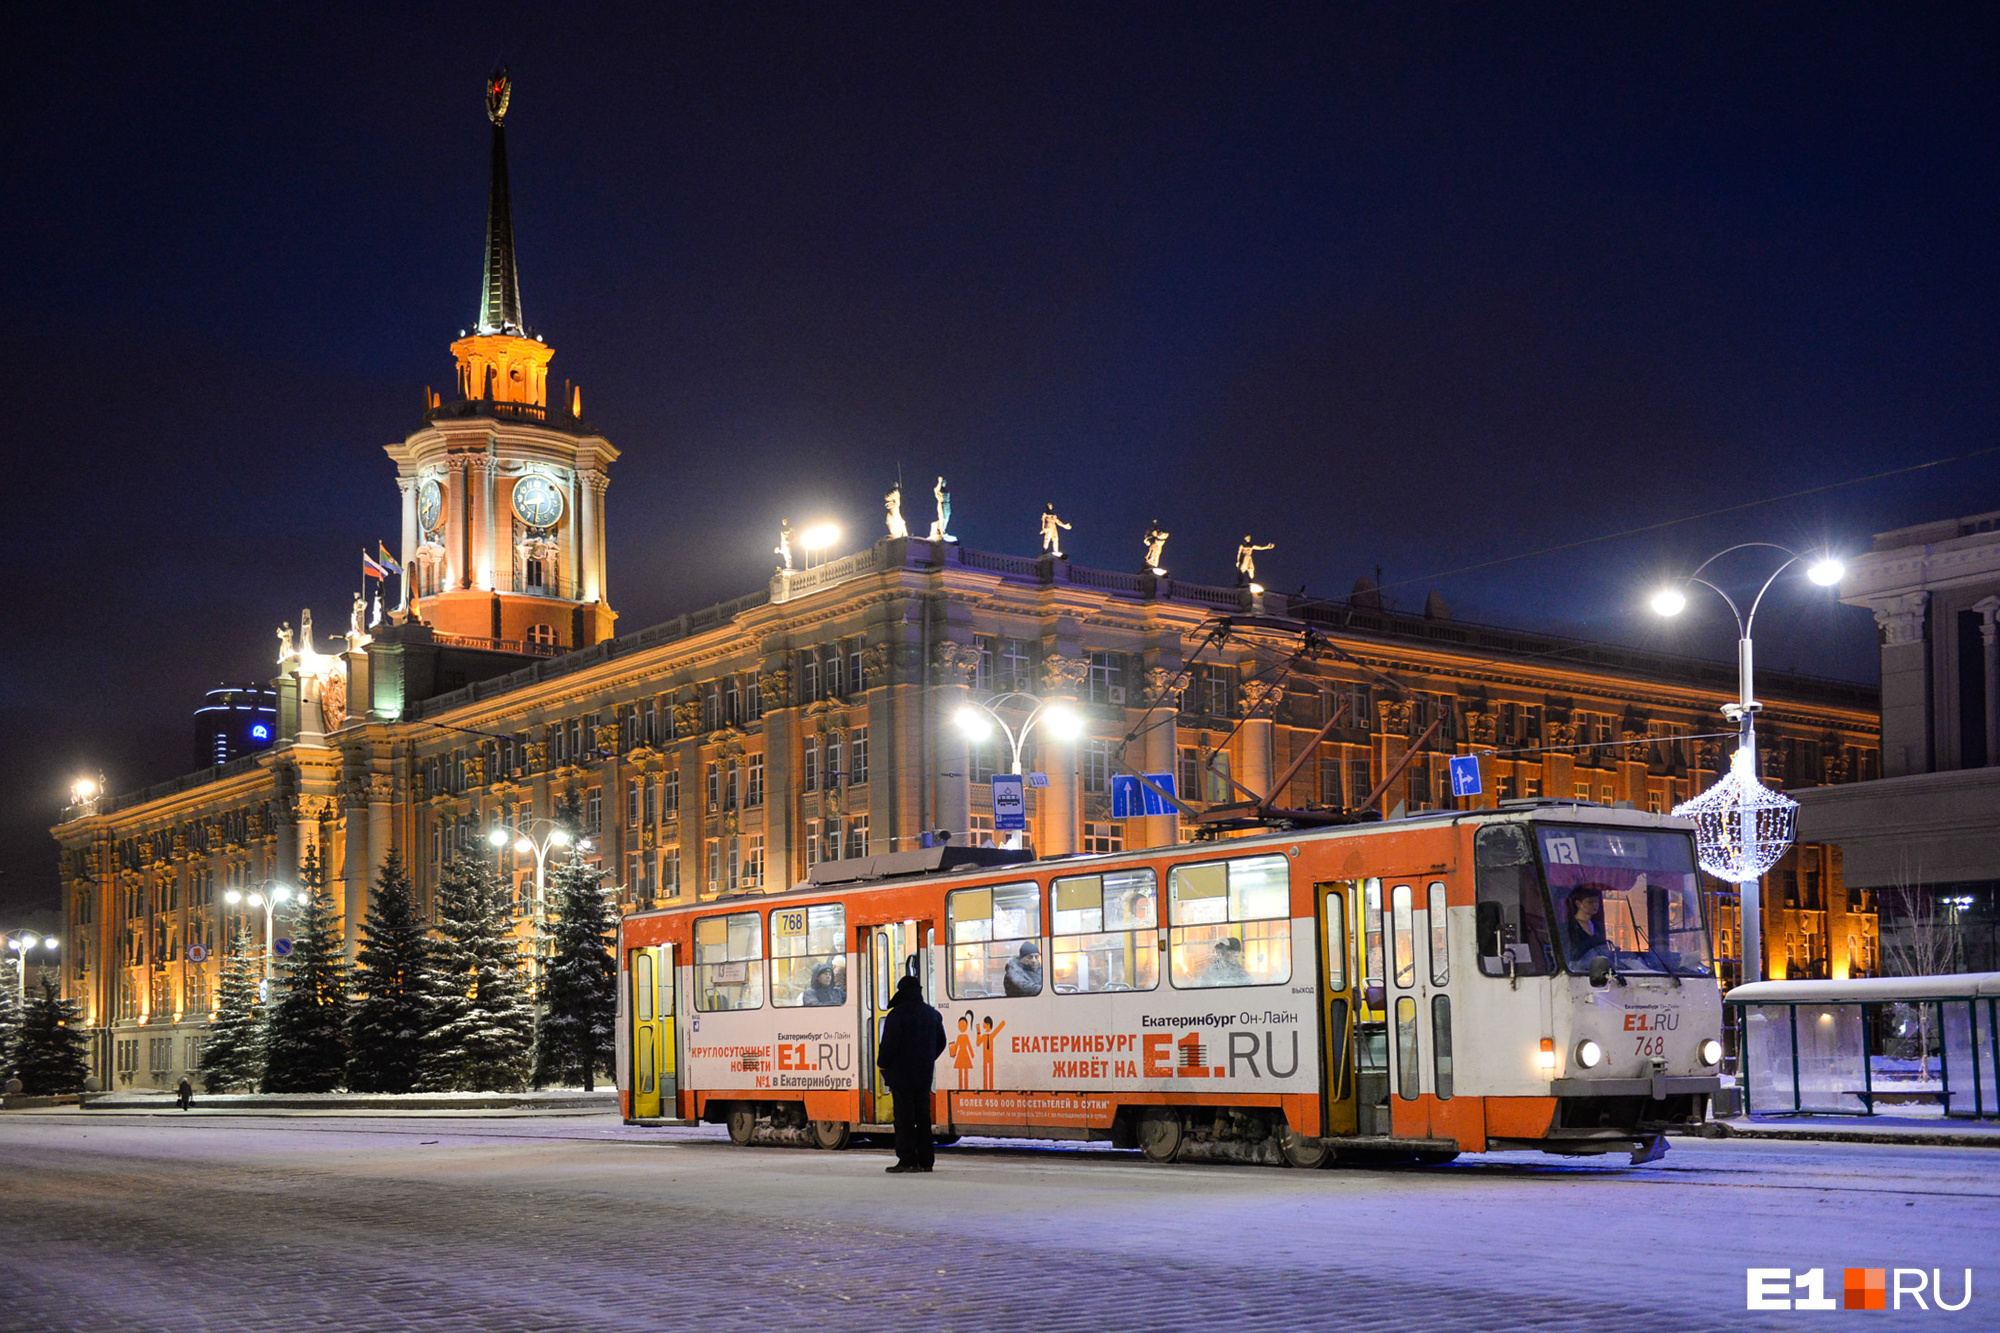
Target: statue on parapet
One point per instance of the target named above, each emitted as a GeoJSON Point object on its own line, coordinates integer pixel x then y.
{"type": "Point", "coordinates": [357, 623]}
{"type": "Point", "coordinates": [1246, 559]}
{"type": "Point", "coordinates": [783, 550]}
{"type": "Point", "coordinates": [893, 503]}
{"type": "Point", "coordinates": [1156, 548]}
{"type": "Point", "coordinates": [1052, 530]}
{"type": "Point", "coordinates": [286, 652]}
{"type": "Point", "coordinates": [941, 525]}
{"type": "Point", "coordinates": [306, 633]}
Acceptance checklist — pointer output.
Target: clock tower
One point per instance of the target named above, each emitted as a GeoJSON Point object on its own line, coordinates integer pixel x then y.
{"type": "Point", "coordinates": [503, 491]}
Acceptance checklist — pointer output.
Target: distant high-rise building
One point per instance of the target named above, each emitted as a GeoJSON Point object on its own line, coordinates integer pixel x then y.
{"type": "Point", "coordinates": [237, 720]}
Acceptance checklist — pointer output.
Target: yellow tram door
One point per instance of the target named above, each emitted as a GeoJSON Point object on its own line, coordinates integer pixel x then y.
{"type": "Point", "coordinates": [654, 1082]}
{"type": "Point", "coordinates": [888, 954]}
{"type": "Point", "coordinates": [1370, 1042]}
{"type": "Point", "coordinates": [1337, 998]}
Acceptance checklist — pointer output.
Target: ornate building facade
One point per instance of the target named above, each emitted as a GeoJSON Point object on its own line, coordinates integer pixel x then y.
{"type": "Point", "coordinates": [732, 748]}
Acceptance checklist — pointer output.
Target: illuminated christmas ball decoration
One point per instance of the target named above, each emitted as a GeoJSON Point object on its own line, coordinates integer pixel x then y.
{"type": "Point", "coordinates": [1741, 827]}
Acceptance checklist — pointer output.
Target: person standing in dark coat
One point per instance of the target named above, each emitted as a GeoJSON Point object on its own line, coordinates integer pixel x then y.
{"type": "Point", "coordinates": [912, 1040]}
{"type": "Point", "coordinates": [184, 1094]}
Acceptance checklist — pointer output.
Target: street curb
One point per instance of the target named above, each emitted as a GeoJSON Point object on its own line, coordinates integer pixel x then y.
{"type": "Point", "coordinates": [1816, 1134]}
{"type": "Point", "coordinates": [256, 1103]}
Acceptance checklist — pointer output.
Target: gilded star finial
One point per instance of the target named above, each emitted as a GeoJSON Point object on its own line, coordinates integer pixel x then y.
{"type": "Point", "coordinates": [498, 89]}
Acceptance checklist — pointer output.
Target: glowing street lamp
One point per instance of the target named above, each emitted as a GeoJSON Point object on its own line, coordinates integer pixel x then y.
{"type": "Point", "coordinates": [817, 541]}
{"type": "Point", "coordinates": [1743, 827]}
{"type": "Point", "coordinates": [270, 902]}
{"type": "Point", "coordinates": [555, 839]}
{"type": "Point", "coordinates": [978, 719]}
{"type": "Point", "coordinates": [21, 945]}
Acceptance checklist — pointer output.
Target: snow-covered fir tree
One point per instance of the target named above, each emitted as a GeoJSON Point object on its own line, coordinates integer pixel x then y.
{"type": "Point", "coordinates": [10, 1014]}
{"type": "Point", "coordinates": [395, 988]}
{"type": "Point", "coordinates": [232, 1047]}
{"type": "Point", "coordinates": [49, 1045]}
{"type": "Point", "coordinates": [579, 979]}
{"type": "Point", "coordinates": [482, 1039]}
{"type": "Point", "coordinates": [305, 1044]}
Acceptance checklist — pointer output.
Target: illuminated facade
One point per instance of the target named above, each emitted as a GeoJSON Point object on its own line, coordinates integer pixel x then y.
{"type": "Point", "coordinates": [730, 749]}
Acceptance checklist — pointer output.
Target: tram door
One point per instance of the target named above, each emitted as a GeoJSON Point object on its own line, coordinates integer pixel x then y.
{"type": "Point", "coordinates": [655, 1085]}
{"type": "Point", "coordinates": [888, 954]}
{"type": "Point", "coordinates": [1337, 987]}
{"type": "Point", "coordinates": [1371, 1013]}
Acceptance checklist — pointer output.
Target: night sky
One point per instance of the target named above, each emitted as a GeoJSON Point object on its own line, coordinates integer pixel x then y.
{"type": "Point", "coordinates": [1409, 287]}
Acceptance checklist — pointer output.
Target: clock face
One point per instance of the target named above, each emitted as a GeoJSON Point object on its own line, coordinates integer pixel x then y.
{"type": "Point", "coordinates": [430, 504]}
{"type": "Point", "coordinates": [538, 502]}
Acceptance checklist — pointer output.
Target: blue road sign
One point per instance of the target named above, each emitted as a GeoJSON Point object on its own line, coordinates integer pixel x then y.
{"type": "Point", "coordinates": [1465, 775]}
{"type": "Point", "coordinates": [282, 948]}
{"type": "Point", "coordinates": [1133, 799]}
{"type": "Point", "coordinates": [1010, 803]}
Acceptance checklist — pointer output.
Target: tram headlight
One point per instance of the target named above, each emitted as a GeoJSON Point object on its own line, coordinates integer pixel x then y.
{"type": "Point", "coordinates": [1589, 1054]}
{"type": "Point", "coordinates": [1546, 1057]}
{"type": "Point", "coordinates": [1710, 1051]}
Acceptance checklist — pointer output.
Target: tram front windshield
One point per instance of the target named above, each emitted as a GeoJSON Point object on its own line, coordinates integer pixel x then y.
{"type": "Point", "coordinates": [1629, 896]}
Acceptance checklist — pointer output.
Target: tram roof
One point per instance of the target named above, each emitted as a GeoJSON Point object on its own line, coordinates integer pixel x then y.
{"type": "Point", "coordinates": [1867, 990]}
{"type": "Point", "coordinates": [954, 861]}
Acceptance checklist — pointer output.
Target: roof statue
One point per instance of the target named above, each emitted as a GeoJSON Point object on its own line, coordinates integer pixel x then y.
{"type": "Point", "coordinates": [941, 525]}
{"type": "Point", "coordinates": [285, 650]}
{"type": "Point", "coordinates": [893, 503]}
{"type": "Point", "coordinates": [783, 550]}
{"type": "Point", "coordinates": [1246, 558]}
{"type": "Point", "coordinates": [1156, 548]}
{"type": "Point", "coordinates": [306, 648]}
{"type": "Point", "coordinates": [500, 295]}
{"type": "Point", "coordinates": [1052, 531]}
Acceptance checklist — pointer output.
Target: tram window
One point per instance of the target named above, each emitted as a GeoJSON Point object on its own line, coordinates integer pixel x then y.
{"type": "Point", "coordinates": [728, 962]}
{"type": "Point", "coordinates": [1409, 1080]}
{"type": "Point", "coordinates": [1371, 941]}
{"type": "Point", "coordinates": [1231, 922]}
{"type": "Point", "coordinates": [1439, 923]}
{"type": "Point", "coordinates": [1404, 932]}
{"type": "Point", "coordinates": [643, 990]}
{"type": "Point", "coordinates": [808, 955]}
{"type": "Point", "coordinates": [1441, 1044]}
{"type": "Point", "coordinates": [1512, 920]}
{"type": "Point", "coordinates": [995, 940]}
{"type": "Point", "coordinates": [1336, 939]}
{"type": "Point", "coordinates": [1106, 932]}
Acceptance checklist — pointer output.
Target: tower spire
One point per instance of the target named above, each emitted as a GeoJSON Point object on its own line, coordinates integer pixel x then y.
{"type": "Point", "coordinates": [500, 295]}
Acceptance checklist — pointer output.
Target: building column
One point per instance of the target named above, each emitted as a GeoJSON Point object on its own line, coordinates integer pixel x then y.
{"type": "Point", "coordinates": [1906, 692]}
{"type": "Point", "coordinates": [1986, 609]}
{"type": "Point", "coordinates": [588, 546]}
{"type": "Point", "coordinates": [355, 871]}
{"type": "Point", "coordinates": [487, 565]}
{"type": "Point", "coordinates": [408, 486]}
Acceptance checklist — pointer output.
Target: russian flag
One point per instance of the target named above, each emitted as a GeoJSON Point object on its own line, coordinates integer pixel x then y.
{"type": "Point", "coordinates": [370, 569]}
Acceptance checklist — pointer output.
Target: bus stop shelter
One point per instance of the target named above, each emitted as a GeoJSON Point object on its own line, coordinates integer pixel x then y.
{"type": "Point", "coordinates": [1806, 1049]}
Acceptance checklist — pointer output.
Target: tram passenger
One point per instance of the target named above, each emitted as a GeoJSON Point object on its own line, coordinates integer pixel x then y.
{"type": "Point", "coordinates": [912, 1040]}
{"type": "Point", "coordinates": [1225, 964]}
{"type": "Point", "coordinates": [824, 990]}
{"type": "Point", "coordinates": [1024, 971]}
{"type": "Point", "coordinates": [1583, 924]}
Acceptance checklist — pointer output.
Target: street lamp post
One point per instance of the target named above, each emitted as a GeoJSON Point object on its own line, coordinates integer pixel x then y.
{"type": "Point", "coordinates": [1735, 850]}
{"type": "Point", "coordinates": [557, 837]}
{"type": "Point", "coordinates": [977, 720]}
{"type": "Point", "coordinates": [20, 945]}
{"type": "Point", "coordinates": [269, 902]}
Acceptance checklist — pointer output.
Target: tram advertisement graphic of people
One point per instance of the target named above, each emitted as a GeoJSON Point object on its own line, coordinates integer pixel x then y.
{"type": "Point", "coordinates": [974, 1035]}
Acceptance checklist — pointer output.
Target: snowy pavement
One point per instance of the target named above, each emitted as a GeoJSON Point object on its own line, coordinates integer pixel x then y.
{"type": "Point", "coordinates": [580, 1223]}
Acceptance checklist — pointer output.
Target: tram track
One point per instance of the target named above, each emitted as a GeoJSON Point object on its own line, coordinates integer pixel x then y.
{"type": "Point", "coordinates": [1077, 1159]}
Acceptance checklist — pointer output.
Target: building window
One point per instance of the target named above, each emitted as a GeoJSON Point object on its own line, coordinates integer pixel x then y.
{"type": "Point", "coordinates": [638, 796]}
{"type": "Point", "coordinates": [809, 677]}
{"type": "Point", "coordinates": [1606, 795]}
{"type": "Point", "coordinates": [982, 662]}
{"type": "Point", "coordinates": [732, 700]}
{"type": "Point", "coordinates": [593, 810]}
{"type": "Point", "coordinates": [1330, 791]}
{"type": "Point", "coordinates": [711, 705]}
{"type": "Point", "coordinates": [857, 836]}
{"type": "Point", "coordinates": [812, 843]}
{"type": "Point", "coordinates": [855, 683]}
{"type": "Point", "coordinates": [670, 872]}
{"type": "Point", "coordinates": [753, 795]}
{"type": "Point", "coordinates": [753, 861]}
{"type": "Point", "coordinates": [1359, 781]}
{"type": "Point", "coordinates": [670, 792]}
{"type": "Point", "coordinates": [1581, 791]}
{"type": "Point", "coordinates": [833, 771]}
{"type": "Point", "coordinates": [1104, 681]}
{"type": "Point", "coordinates": [1016, 666]}
{"type": "Point", "coordinates": [809, 775]}
{"type": "Point", "coordinates": [857, 756]}
{"type": "Point", "coordinates": [1103, 838]}
{"type": "Point", "coordinates": [979, 831]}
{"type": "Point", "coordinates": [1190, 773]}
{"type": "Point", "coordinates": [545, 635]}
{"type": "Point", "coordinates": [714, 771]}
{"type": "Point", "coordinates": [979, 759]}
{"type": "Point", "coordinates": [1097, 765]}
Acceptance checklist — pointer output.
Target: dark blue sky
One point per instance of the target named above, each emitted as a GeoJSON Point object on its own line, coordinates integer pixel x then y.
{"type": "Point", "coordinates": [1404, 286]}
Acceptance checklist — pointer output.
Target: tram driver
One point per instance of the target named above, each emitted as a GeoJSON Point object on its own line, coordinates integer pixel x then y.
{"type": "Point", "coordinates": [1583, 923]}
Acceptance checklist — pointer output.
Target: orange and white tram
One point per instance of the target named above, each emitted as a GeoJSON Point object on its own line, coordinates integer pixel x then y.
{"type": "Point", "coordinates": [1532, 977]}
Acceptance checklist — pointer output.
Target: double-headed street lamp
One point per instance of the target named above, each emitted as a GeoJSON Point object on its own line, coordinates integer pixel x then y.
{"type": "Point", "coordinates": [1741, 826]}
{"type": "Point", "coordinates": [20, 945]}
{"type": "Point", "coordinates": [524, 841]}
{"type": "Point", "coordinates": [978, 719]}
{"type": "Point", "coordinates": [269, 901]}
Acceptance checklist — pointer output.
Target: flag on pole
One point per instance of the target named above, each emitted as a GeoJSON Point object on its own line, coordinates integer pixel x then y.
{"type": "Point", "coordinates": [370, 569]}
{"type": "Point", "coordinates": [386, 560]}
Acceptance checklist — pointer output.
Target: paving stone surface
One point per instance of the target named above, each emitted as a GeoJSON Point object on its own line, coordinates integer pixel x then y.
{"type": "Point", "coordinates": [583, 1224]}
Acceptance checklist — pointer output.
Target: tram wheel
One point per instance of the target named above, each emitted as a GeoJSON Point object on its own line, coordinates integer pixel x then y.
{"type": "Point", "coordinates": [1160, 1134]}
{"type": "Point", "coordinates": [742, 1123]}
{"type": "Point", "coordinates": [1307, 1154]}
{"type": "Point", "coordinates": [832, 1135]}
